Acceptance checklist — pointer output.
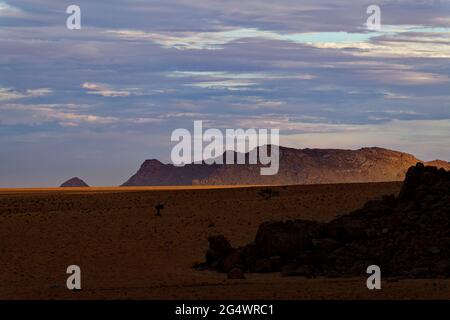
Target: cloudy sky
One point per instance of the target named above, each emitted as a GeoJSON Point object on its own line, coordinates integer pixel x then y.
{"type": "Point", "coordinates": [96, 102]}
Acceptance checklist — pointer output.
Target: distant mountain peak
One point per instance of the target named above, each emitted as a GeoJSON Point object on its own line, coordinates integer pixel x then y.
{"type": "Point", "coordinates": [74, 183]}
{"type": "Point", "coordinates": [153, 162]}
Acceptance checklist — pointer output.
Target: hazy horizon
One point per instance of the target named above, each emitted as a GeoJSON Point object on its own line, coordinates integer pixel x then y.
{"type": "Point", "coordinates": [96, 102]}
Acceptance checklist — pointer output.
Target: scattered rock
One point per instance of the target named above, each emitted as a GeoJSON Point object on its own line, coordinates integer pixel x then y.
{"type": "Point", "coordinates": [443, 267]}
{"type": "Point", "coordinates": [218, 252]}
{"type": "Point", "coordinates": [263, 266]}
{"type": "Point", "coordinates": [236, 273]}
{"type": "Point", "coordinates": [294, 269]}
{"type": "Point", "coordinates": [201, 266]}
{"type": "Point", "coordinates": [231, 260]}
{"type": "Point", "coordinates": [419, 272]}
{"type": "Point", "coordinates": [275, 263]}
{"type": "Point", "coordinates": [407, 236]}
{"type": "Point", "coordinates": [434, 250]}
{"type": "Point", "coordinates": [325, 244]}
{"type": "Point", "coordinates": [219, 244]}
{"type": "Point", "coordinates": [289, 270]}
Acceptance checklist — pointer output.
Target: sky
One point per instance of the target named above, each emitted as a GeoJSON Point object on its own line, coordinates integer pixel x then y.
{"type": "Point", "coordinates": [96, 102]}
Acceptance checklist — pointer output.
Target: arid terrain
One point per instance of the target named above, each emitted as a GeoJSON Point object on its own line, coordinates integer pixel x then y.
{"type": "Point", "coordinates": [126, 251]}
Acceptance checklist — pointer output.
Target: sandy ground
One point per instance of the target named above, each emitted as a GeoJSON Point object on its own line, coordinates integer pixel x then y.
{"type": "Point", "coordinates": [126, 251]}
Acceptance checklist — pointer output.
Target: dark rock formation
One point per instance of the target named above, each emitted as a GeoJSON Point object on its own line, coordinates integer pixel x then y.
{"type": "Point", "coordinates": [407, 236]}
{"type": "Point", "coordinates": [155, 173]}
{"type": "Point", "coordinates": [74, 183]}
{"type": "Point", "coordinates": [297, 166]}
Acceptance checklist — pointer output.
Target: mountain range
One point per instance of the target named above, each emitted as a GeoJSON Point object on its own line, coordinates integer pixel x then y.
{"type": "Point", "coordinates": [297, 166]}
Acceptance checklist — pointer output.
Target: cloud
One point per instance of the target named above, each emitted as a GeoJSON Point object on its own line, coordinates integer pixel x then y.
{"type": "Point", "coordinates": [104, 90]}
{"type": "Point", "coordinates": [233, 85]}
{"type": "Point", "coordinates": [215, 40]}
{"type": "Point", "coordinates": [391, 73]}
{"type": "Point", "coordinates": [406, 77]}
{"type": "Point", "coordinates": [393, 95]}
{"type": "Point", "coordinates": [399, 40]}
{"type": "Point", "coordinates": [412, 48]}
{"type": "Point", "coordinates": [442, 20]}
{"type": "Point", "coordinates": [255, 103]}
{"type": "Point", "coordinates": [240, 75]}
{"type": "Point", "coordinates": [233, 81]}
{"type": "Point", "coordinates": [7, 10]}
{"type": "Point", "coordinates": [7, 94]}
{"type": "Point", "coordinates": [65, 115]}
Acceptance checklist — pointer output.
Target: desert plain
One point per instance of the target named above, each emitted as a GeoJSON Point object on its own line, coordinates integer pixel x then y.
{"type": "Point", "coordinates": [126, 251]}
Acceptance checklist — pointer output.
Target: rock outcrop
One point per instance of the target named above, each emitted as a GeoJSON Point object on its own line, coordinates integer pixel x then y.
{"type": "Point", "coordinates": [406, 236]}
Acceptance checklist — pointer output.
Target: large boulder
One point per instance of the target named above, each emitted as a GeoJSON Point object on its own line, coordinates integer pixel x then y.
{"type": "Point", "coordinates": [286, 239]}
